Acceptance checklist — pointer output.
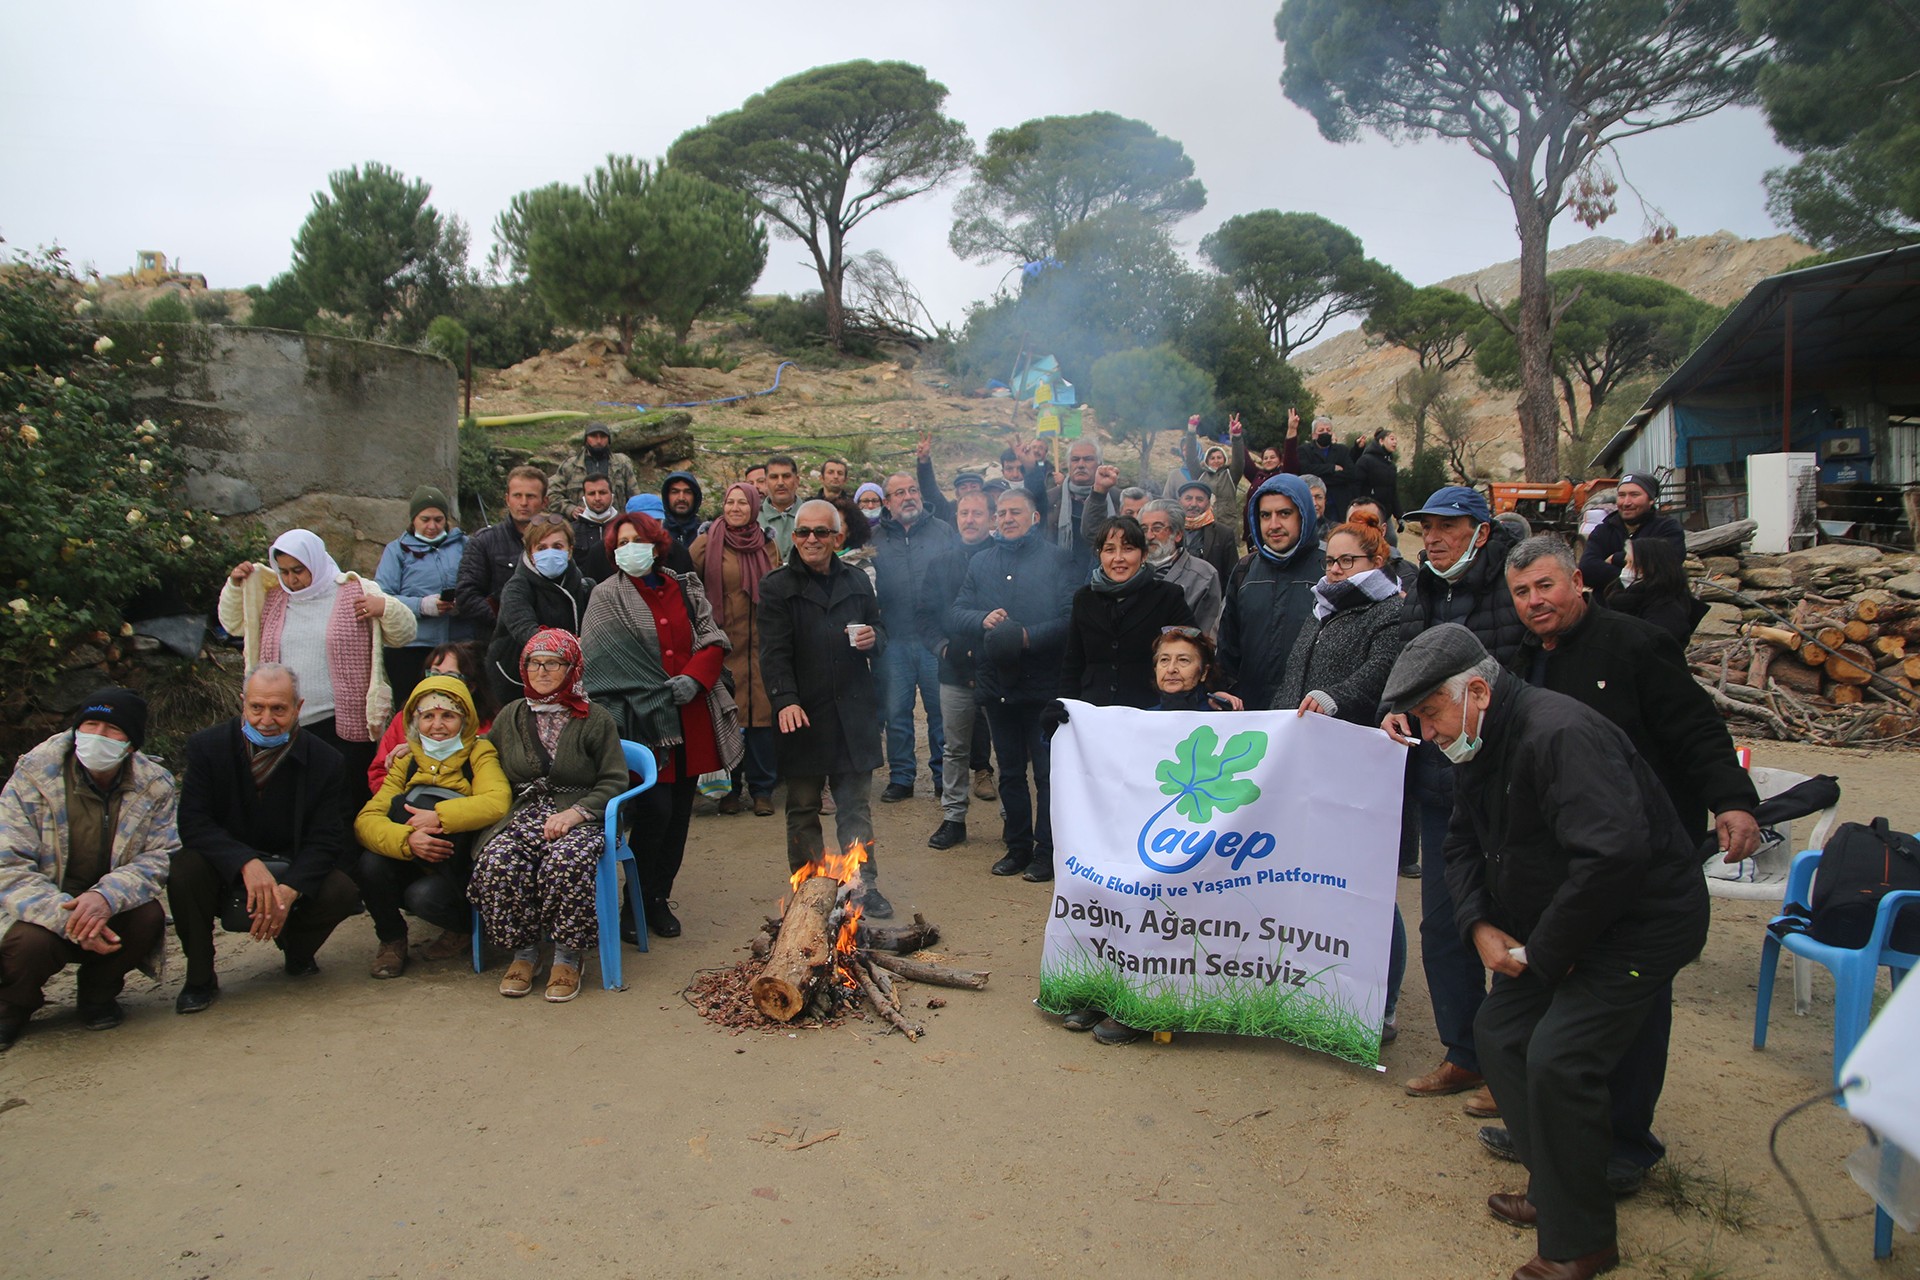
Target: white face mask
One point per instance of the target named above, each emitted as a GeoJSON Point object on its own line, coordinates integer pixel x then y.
{"type": "Point", "coordinates": [1628, 577]}
{"type": "Point", "coordinates": [634, 558]}
{"type": "Point", "coordinates": [98, 752]}
{"type": "Point", "coordinates": [1467, 745]}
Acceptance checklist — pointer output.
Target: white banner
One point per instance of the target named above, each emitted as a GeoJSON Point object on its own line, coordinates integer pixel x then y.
{"type": "Point", "coordinates": [1229, 872]}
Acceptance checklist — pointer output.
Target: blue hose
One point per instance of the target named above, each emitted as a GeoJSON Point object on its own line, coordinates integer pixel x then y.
{"type": "Point", "coordinates": [701, 404]}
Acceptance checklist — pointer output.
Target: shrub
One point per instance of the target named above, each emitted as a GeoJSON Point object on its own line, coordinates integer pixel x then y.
{"type": "Point", "coordinates": [447, 338]}
{"type": "Point", "coordinates": [209, 308]}
{"type": "Point", "coordinates": [94, 489]}
{"type": "Point", "coordinates": [655, 351]}
{"type": "Point", "coordinates": [168, 308]}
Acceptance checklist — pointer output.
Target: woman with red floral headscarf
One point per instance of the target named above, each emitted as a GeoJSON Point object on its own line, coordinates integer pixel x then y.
{"type": "Point", "coordinates": [654, 658]}
{"type": "Point", "coordinates": [534, 874]}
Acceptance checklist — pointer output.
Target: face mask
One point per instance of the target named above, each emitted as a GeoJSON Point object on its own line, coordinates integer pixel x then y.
{"type": "Point", "coordinates": [873, 516]}
{"type": "Point", "coordinates": [1323, 441]}
{"type": "Point", "coordinates": [261, 740]}
{"type": "Point", "coordinates": [99, 752]}
{"type": "Point", "coordinates": [1467, 745]}
{"type": "Point", "coordinates": [1459, 566]}
{"type": "Point", "coordinates": [435, 540]}
{"type": "Point", "coordinates": [634, 558]}
{"type": "Point", "coordinates": [1628, 577]}
{"type": "Point", "coordinates": [551, 562]}
{"type": "Point", "coordinates": [441, 748]}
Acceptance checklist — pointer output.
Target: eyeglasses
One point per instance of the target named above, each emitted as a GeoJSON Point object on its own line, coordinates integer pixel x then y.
{"type": "Point", "coordinates": [808, 531]}
{"type": "Point", "coordinates": [1350, 562]}
{"type": "Point", "coordinates": [546, 666]}
{"type": "Point", "coordinates": [1185, 633]}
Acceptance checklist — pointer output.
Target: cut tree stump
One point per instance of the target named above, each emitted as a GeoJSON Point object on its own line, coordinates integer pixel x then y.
{"type": "Point", "coordinates": [1852, 665]}
{"type": "Point", "coordinates": [803, 953]}
{"type": "Point", "coordinates": [1796, 679]}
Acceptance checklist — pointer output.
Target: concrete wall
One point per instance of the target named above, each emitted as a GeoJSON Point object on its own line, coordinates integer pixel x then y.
{"type": "Point", "coordinates": [298, 431]}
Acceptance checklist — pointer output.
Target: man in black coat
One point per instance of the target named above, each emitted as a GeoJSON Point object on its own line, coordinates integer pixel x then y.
{"type": "Point", "coordinates": [1635, 675]}
{"type": "Point", "coordinates": [907, 541]}
{"type": "Point", "coordinates": [590, 528]}
{"type": "Point", "coordinates": [1635, 515]}
{"type": "Point", "coordinates": [966, 748]}
{"type": "Point", "coordinates": [820, 637]}
{"type": "Point", "coordinates": [1576, 884]}
{"type": "Point", "coordinates": [1269, 595]}
{"type": "Point", "coordinates": [1462, 579]}
{"type": "Point", "coordinates": [1012, 612]}
{"type": "Point", "coordinates": [1334, 464]}
{"type": "Point", "coordinates": [1210, 539]}
{"type": "Point", "coordinates": [493, 552]}
{"type": "Point", "coordinates": [256, 788]}
{"type": "Point", "coordinates": [1376, 470]}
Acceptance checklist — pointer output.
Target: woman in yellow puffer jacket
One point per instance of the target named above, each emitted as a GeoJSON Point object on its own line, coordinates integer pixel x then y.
{"type": "Point", "coordinates": [421, 864]}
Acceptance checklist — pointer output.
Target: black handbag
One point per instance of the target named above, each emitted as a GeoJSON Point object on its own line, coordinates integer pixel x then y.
{"type": "Point", "coordinates": [233, 907]}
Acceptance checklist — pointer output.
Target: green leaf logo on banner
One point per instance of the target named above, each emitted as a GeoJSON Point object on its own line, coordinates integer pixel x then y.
{"type": "Point", "coordinates": [1201, 773]}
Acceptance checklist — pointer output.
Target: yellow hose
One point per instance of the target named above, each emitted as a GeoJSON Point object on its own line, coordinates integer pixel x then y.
{"type": "Point", "coordinates": [524, 419]}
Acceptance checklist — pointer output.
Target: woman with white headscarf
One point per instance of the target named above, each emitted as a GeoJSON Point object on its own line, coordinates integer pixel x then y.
{"type": "Point", "coordinates": [330, 628]}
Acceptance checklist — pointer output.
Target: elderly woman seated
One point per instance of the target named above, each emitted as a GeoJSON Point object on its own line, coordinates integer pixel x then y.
{"type": "Point", "coordinates": [534, 874]}
{"type": "Point", "coordinates": [416, 833]}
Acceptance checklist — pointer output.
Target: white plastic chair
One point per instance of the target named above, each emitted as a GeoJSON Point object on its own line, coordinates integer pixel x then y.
{"type": "Point", "coordinates": [1763, 877]}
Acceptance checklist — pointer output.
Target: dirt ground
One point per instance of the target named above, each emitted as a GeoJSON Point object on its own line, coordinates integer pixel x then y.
{"type": "Point", "coordinates": [346, 1127]}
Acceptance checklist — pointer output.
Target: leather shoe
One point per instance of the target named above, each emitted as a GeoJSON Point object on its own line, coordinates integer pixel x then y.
{"type": "Point", "coordinates": [301, 966]}
{"type": "Point", "coordinates": [763, 806]}
{"type": "Point", "coordinates": [1112, 1031]}
{"type": "Point", "coordinates": [1038, 871]}
{"type": "Point", "coordinates": [1011, 865]}
{"type": "Point", "coordinates": [948, 834]}
{"type": "Point", "coordinates": [1480, 1104]}
{"type": "Point", "coordinates": [661, 921]}
{"type": "Point", "coordinates": [874, 903]}
{"type": "Point", "coordinates": [729, 804]}
{"type": "Point", "coordinates": [1582, 1268]}
{"type": "Point", "coordinates": [104, 1016]}
{"type": "Point", "coordinates": [1498, 1143]}
{"type": "Point", "coordinates": [1082, 1019]}
{"type": "Point", "coordinates": [1442, 1080]}
{"type": "Point", "coordinates": [1515, 1211]}
{"type": "Point", "coordinates": [896, 792]}
{"type": "Point", "coordinates": [196, 999]}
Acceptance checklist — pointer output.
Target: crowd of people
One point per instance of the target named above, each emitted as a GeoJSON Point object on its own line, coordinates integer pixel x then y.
{"type": "Point", "coordinates": [782, 640]}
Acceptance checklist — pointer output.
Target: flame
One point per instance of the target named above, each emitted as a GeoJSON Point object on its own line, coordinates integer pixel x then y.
{"type": "Point", "coordinates": [845, 868]}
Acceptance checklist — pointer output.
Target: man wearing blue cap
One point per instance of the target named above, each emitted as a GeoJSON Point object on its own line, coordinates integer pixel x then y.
{"type": "Point", "coordinates": [1635, 515]}
{"type": "Point", "coordinates": [1270, 594]}
{"type": "Point", "coordinates": [1462, 579]}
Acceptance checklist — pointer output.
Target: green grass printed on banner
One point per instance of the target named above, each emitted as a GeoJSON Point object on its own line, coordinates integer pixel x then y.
{"type": "Point", "coordinates": [1234, 1006]}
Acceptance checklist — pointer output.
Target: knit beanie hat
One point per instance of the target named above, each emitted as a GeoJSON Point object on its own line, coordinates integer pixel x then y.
{"type": "Point", "coordinates": [124, 709]}
{"type": "Point", "coordinates": [427, 496]}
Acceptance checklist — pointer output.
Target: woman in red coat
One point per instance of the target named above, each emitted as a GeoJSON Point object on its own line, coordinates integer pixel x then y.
{"type": "Point", "coordinates": [654, 656]}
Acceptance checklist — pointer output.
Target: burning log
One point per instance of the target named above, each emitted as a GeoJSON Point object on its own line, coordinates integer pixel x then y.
{"type": "Point", "coordinates": [900, 939]}
{"type": "Point", "coordinates": [802, 955]}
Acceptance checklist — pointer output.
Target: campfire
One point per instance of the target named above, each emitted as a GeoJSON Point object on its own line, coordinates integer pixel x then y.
{"type": "Point", "coordinates": [819, 956]}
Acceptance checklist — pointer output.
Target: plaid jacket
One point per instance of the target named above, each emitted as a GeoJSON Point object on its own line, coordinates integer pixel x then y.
{"type": "Point", "coordinates": [33, 836]}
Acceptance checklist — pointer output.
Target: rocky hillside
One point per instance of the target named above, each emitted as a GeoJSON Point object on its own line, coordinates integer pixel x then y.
{"type": "Point", "coordinates": [1354, 375]}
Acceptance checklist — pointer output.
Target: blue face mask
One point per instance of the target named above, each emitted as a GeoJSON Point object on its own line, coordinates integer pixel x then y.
{"type": "Point", "coordinates": [551, 562]}
{"type": "Point", "coordinates": [261, 740]}
{"type": "Point", "coordinates": [1467, 745]}
{"type": "Point", "coordinates": [441, 748]}
{"type": "Point", "coordinates": [634, 558]}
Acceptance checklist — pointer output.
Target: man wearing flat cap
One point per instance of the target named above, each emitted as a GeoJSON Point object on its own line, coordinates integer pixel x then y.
{"type": "Point", "coordinates": [1576, 883]}
{"type": "Point", "coordinates": [1635, 515]}
{"type": "Point", "coordinates": [86, 831]}
{"type": "Point", "coordinates": [1215, 541]}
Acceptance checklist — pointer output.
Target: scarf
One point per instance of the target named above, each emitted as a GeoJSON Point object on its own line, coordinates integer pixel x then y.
{"type": "Point", "coordinates": [1200, 521]}
{"type": "Point", "coordinates": [586, 513]}
{"type": "Point", "coordinates": [554, 642]}
{"type": "Point", "coordinates": [1295, 490]}
{"type": "Point", "coordinates": [749, 546]}
{"type": "Point", "coordinates": [1106, 586]}
{"type": "Point", "coordinates": [1369, 587]}
{"type": "Point", "coordinates": [265, 760]}
{"type": "Point", "coordinates": [305, 546]}
{"type": "Point", "coordinates": [350, 649]}
{"type": "Point", "coordinates": [623, 644]}
{"type": "Point", "coordinates": [1070, 493]}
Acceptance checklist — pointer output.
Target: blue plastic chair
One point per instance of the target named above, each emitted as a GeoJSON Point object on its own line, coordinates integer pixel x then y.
{"type": "Point", "coordinates": [606, 896]}
{"type": "Point", "coordinates": [1854, 974]}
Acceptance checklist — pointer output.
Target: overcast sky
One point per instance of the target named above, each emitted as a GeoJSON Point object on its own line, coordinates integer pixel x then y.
{"type": "Point", "coordinates": [203, 129]}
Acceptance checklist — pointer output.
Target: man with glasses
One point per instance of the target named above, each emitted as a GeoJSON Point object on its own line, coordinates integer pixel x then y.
{"type": "Point", "coordinates": [910, 541]}
{"type": "Point", "coordinates": [820, 636]}
{"type": "Point", "coordinates": [1164, 521]}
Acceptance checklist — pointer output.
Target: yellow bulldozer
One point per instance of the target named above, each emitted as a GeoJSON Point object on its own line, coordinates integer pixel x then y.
{"type": "Point", "coordinates": [151, 268]}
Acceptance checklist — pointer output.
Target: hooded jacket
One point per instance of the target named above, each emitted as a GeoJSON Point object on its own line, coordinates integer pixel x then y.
{"type": "Point", "coordinates": [1224, 479]}
{"type": "Point", "coordinates": [1269, 599]}
{"type": "Point", "coordinates": [474, 771]}
{"type": "Point", "coordinates": [413, 569]}
{"type": "Point", "coordinates": [531, 600]}
{"type": "Point", "coordinates": [683, 528]}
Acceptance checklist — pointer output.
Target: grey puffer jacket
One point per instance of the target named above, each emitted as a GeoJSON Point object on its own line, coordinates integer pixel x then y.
{"type": "Point", "coordinates": [1344, 658]}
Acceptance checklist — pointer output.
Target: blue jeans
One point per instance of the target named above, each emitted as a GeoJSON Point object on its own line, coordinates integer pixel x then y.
{"type": "Point", "coordinates": [1396, 962]}
{"type": "Point", "coordinates": [1455, 981]}
{"type": "Point", "coordinates": [760, 764]}
{"type": "Point", "coordinates": [911, 667]}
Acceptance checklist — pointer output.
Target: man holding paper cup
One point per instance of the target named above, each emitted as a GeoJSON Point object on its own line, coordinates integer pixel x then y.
{"type": "Point", "coordinates": [1574, 880]}
{"type": "Point", "coordinates": [820, 638]}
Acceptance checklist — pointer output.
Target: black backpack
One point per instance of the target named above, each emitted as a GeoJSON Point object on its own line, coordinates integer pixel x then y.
{"type": "Point", "coordinates": [1860, 865]}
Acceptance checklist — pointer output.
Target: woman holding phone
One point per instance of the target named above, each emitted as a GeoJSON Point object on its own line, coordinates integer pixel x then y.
{"type": "Point", "coordinates": [418, 569]}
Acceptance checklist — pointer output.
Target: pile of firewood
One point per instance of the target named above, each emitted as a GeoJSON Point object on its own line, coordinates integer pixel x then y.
{"type": "Point", "coordinates": [1818, 646]}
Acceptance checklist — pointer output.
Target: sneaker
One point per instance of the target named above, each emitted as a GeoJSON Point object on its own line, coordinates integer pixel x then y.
{"type": "Point", "coordinates": [391, 960]}
{"type": "Point", "coordinates": [104, 1016]}
{"type": "Point", "coordinates": [563, 984]}
{"type": "Point", "coordinates": [518, 980]}
{"type": "Point", "coordinates": [1389, 1030]}
{"type": "Point", "coordinates": [1011, 865]}
{"type": "Point", "coordinates": [302, 966]}
{"type": "Point", "coordinates": [948, 834]}
{"type": "Point", "coordinates": [983, 785]}
{"type": "Point", "coordinates": [450, 945]}
{"type": "Point", "coordinates": [196, 997]}
{"type": "Point", "coordinates": [1111, 1031]}
{"type": "Point", "coordinates": [763, 806]}
{"type": "Point", "coordinates": [874, 903]}
{"type": "Point", "coordinates": [1038, 871]}
{"type": "Point", "coordinates": [1498, 1143]}
{"type": "Point", "coordinates": [896, 792]}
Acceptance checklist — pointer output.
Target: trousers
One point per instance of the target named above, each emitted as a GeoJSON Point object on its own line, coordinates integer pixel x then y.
{"type": "Point", "coordinates": [911, 667]}
{"type": "Point", "coordinates": [194, 890]}
{"type": "Point", "coordinates": [962, 719]}
{"type": "Point", "coordinates": [852, 820]}
{"type": "Point", "coordinates": [434, 891]}
{"type": "Point", "coordinates": [1456, 983]}
{"type": "Point", "coordinates": [661, 817]}
{"type": "Point", "coordinates": [1020, 743]}
{"type": "Point", "coordinates": [30, 954]}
